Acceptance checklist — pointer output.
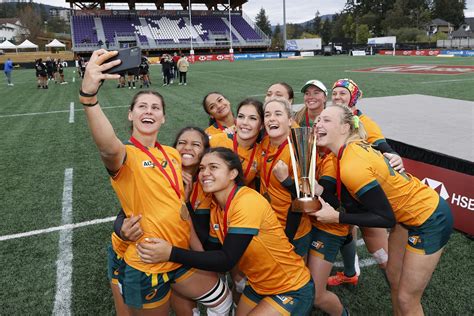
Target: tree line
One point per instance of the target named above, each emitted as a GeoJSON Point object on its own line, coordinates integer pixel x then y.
{"type": "Point", "coordinates": [409, 20]}
{"type": "Point", "coordinates": [35, 17]}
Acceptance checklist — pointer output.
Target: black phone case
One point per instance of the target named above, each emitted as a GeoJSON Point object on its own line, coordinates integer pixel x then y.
{"type": "Point", "coordinates": [130, 57]}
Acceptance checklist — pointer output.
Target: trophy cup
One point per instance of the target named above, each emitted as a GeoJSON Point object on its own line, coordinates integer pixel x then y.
{"type": "Point", "coordinates": [302, 145]}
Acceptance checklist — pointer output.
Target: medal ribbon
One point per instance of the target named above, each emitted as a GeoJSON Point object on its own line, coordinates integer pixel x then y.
{"type": "Point", "coordinates": [175, 184]}
{"type": "Point", "coordinates": [252, 155]}
{"type": "Point", "coordinates": [194, 194]}
{"type": "Point", "coordinates": [226, 209]}
{"type": "Point", "coordinates": [266, 176]}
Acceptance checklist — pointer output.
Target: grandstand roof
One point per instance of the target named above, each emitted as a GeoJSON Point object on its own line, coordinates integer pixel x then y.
{"type": "Point", "coordinates": [211, 4]}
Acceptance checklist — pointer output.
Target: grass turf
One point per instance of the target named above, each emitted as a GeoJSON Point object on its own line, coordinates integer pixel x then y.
{"type": "Point", "coordinates": [36, 149]}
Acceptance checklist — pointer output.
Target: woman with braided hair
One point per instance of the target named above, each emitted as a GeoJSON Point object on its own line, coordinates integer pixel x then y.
{"type": "Point", "coordinates": [423, 219]}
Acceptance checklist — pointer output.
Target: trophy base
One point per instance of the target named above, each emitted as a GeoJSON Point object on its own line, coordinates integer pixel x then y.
{"type": "Point", "coordinates": [306, 205]}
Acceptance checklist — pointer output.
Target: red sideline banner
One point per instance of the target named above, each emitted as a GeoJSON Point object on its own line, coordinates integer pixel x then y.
{"type": "Point", "coordinates": [423, 52]}
{"type": "Point", "coordinates": [220, 57]}
{"type": "Point", "coordinates": [455, 187]}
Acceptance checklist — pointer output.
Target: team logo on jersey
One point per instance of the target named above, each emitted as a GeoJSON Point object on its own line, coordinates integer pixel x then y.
{"type": "Point", "coordinates": [437, 186]}
{"type": "Point", "coordinates": [215, 226]}
{"type": "Point", "coordinates": [364, 146]}
{"type": "Point", "coordinates": [317, 244]}
{"type": "Point", "coordinates": [414, 240]}
{"type": "Point", "coordinates": [148, 164]}
{"type": "Point", "coordinates": [151, 295]}
{"type": "Point", "coordinates": [164, 163]}
{"type": "Point", "coordinates": [285, 299]}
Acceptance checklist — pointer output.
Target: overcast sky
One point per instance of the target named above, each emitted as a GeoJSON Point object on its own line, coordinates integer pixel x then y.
{"type": "Point", "coordinates": [296, 10]}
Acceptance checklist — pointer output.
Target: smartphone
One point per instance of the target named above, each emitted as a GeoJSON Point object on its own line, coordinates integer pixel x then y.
{"type": "Point", "coordinates": [130, 57]}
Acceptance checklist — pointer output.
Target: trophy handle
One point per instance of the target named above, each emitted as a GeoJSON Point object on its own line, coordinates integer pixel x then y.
{"type": "Point", "coordinates": [295, 168]}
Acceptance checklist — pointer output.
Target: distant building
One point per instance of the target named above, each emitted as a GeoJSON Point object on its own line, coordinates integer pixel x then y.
{"type": "Point", "coordinates": [63, 14]}
{"type": "Point", "coordinates": [11, 29]}
{"type": "Point", "coordinates": [440, 26]}
{"type": "Point", "coordinates": [465, 31]}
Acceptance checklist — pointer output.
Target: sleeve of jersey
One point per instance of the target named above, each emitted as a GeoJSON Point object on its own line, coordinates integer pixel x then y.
{"type": "Point", "coordinates": [217, 260]}
{"type": "Point", "coordinates": [128, 160]}
{"type": "Point", "coordinates": [374, 133]}
{"type": "Point", "coordinates": [245, 217]}
{"type": "Point", "coordinates": [356, 173]}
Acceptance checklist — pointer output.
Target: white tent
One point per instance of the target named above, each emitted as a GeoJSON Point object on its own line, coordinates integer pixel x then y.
{"type": "Point", "coordinates": [8, 45]}
{"type": "Point", "coordinates": [56, 44]}
{"type": "Point", "coordinates": [27, 44]}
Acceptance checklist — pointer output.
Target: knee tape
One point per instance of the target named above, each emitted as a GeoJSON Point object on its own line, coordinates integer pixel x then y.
{"type": "Point", "coordinates": [380, 256]}
{"type": "Point", "coordinates": [240, 285]}
{"type": "Point", "coordinates": [216, 294]}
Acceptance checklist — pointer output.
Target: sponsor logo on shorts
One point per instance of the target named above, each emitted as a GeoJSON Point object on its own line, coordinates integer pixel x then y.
{"type": "Point", "coordinates": [151, 295]}
{"type": "Point", "coordinates": [148, 164]}
{"type": "Point", "coordinates": [414, 240]}
{"type": "Point", "coordinates": [116, 272]}
{"type": "Point", "coordinates": [317, 244]}
{"type": "Point", "coordinates": [285, 299]}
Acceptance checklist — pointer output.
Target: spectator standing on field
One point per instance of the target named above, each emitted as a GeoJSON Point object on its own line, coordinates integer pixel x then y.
{"type": "Point", "coordinates": [8, 68]}
{"type": "Point", "coordinates": [166, 65]}
{"type": "Point", "coordinates": [174, 64]}
{"type": "Point", "coordinates": [183, 66]}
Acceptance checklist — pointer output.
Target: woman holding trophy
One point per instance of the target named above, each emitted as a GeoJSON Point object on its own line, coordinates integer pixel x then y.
{"type": "Point", "coordinates": [424, 220]}
{"type": "Point", "coordinates": [274, 170]}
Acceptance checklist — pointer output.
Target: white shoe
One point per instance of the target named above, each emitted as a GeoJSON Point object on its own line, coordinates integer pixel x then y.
{"type": "Point", "coordinates": [11, 84]}
{"type": "Point", "coordinates": [185, 84]}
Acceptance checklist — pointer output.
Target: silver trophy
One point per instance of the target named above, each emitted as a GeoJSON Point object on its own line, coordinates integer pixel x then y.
{"type": "Point", "coordinates": [303, 153]}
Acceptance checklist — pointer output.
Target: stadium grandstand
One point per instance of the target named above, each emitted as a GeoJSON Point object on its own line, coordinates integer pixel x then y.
{"type": "Point", "coordinates": [219, 27]}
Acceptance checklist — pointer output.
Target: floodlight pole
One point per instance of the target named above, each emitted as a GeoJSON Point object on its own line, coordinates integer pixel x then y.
{"type": "Point", "coordinates": [231, 50]}
{"type": "Point", "coordinates": [191, 51]}
{"type": "Point", "coordinates": [284, 25]}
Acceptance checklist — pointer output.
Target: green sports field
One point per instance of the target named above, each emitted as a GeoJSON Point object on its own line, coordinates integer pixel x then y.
{"type": "Point", "coordinates": [51, 175]}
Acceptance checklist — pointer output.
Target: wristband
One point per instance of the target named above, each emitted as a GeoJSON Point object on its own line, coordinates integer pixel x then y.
{"type": "Point", "coordinates": [91, 104]}
{"type": "Point", "coordinates": [87, 95]}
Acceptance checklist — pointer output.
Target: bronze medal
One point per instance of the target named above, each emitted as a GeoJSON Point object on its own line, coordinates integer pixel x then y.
{"type": "Point", "coordinates": [184, 213]}
{"type": "Point", "coordinates": [267, 197]}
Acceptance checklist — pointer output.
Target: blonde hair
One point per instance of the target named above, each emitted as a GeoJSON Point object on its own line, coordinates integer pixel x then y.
{"type": "Point", "coordinates": [357, 131]}
{"type": "Point", "coordinates": [282, 101]}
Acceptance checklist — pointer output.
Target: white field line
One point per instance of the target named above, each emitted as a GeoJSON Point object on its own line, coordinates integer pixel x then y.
{"type": "Point", "coordinates": [59, 111]}
{"type": "Point", "coordinates": [441, 81]}
{"type": "Point", "coordinates": [73, 79]}
{"type": "Point", "coordinates": [57, 228]}
{"type": "Point", "coordinates": [62, 301]}
{"type": "Point", "coordinates": [71, 112]}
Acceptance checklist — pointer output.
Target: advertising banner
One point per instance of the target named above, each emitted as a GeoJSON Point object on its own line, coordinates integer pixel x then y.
{"type": "Point", "coordinates": [423, 52]}
{"type": "Point", "coordinates": [455, 187]}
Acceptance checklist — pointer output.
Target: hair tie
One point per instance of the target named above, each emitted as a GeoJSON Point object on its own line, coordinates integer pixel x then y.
{"type": "Point", "coordinates": [356, 121]}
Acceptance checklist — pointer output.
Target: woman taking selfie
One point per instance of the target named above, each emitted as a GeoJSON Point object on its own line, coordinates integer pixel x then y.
{"type": "Point", "coordinates": [146, 177]}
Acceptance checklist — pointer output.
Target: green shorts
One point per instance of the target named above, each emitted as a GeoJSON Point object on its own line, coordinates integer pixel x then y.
{"type": "Point", "coordinates": [115, 265]}
{"type": "Point", "coordinates": [298, 303]}
{"type": "Point", "coordinates": [302, 244]}
{"type": "Point", "coordinates": [150, 290]}
{"type": "Point", "coordinates": [325, 245]}
{"type": "Point", "coordinates": [434, 233]}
